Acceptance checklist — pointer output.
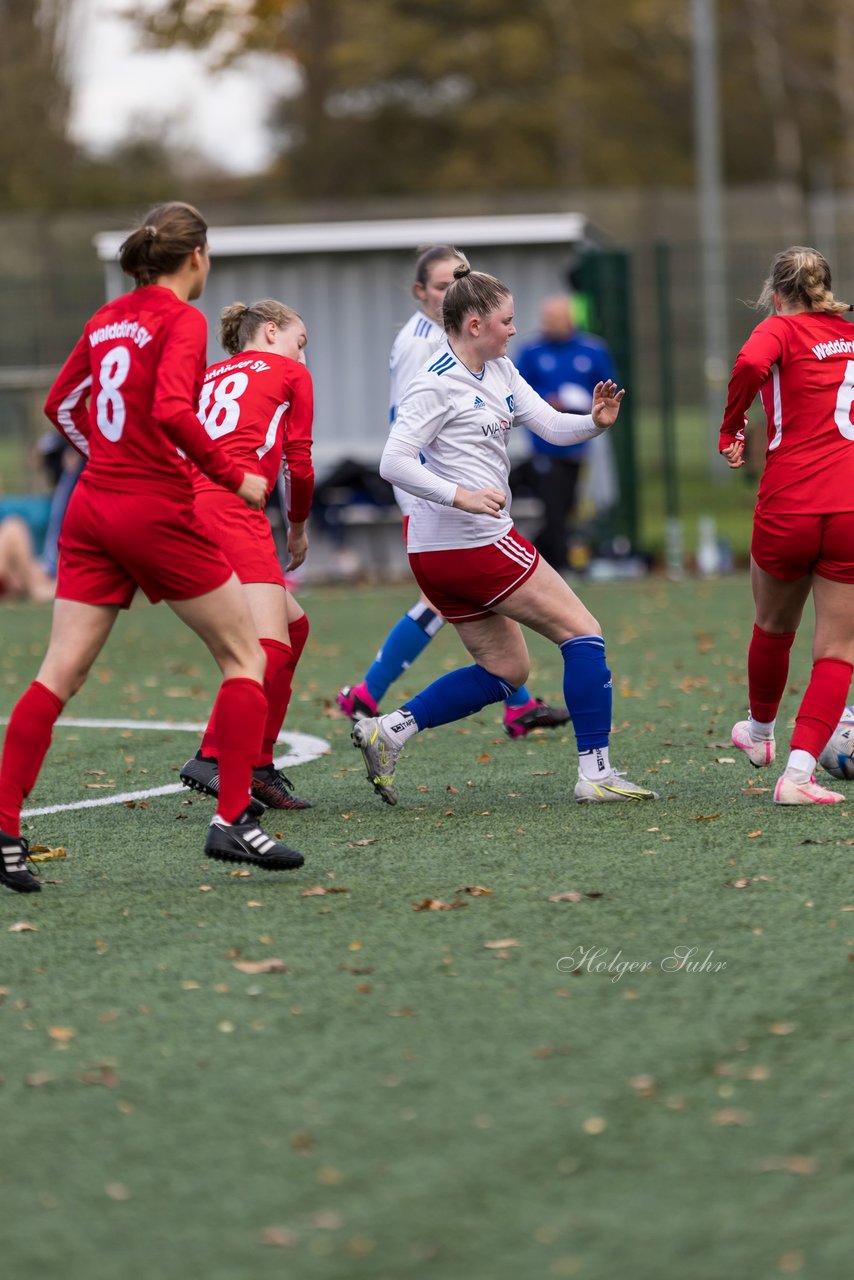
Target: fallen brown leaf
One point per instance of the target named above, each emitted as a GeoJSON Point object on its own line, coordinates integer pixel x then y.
{"type": "Point", "coordinates": [328, 1220]}
{"type": "Point", "coordinates": [789, 1164]}
{"type": "Point", "coordinates": [44, 853]}
{"type": "Point", "coordinates": [474, 890]}
{"type": "Point", "coordinates": [569, 896]}
{"type": "Point", "coordinates": [36, 1079]}
{"type": "Point", "coordinates": [273, 965]}
{"type": "Point", "coordinates": [644, 1086]}
{"type": "Point", "coordinates": [732, 1116]}
{"type": "Point", "coordinates": [105, 1076]}
{"type": "Point", "coordinates": [21, 926]}
{"type": "Point", "coordinates": [436, 904]}
{"type": "Point", "coordinates": [279, 1237]}
{"type": "Point", "coordinates": [61, 1034]}
{"type": "Point", "coordinates": [501, 944]}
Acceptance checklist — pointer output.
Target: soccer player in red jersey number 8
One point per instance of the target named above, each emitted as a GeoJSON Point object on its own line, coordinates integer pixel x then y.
{"type": "Point", "coordinates": [486, 579]}
{"type": "Point", "coordinates": [127, 398]}
{"type": "Point", "coordinates": [259, 405]}
{"type": "Point", "coordinates": [801, 362]}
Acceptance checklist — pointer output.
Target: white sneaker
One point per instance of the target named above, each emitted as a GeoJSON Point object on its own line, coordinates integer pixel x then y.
{"type": "Point", "coordinates": [789, 791]}
{"type": "Point", "coordinates": [759, 751]}
{"type": "Point", "coordinates": [380, 753]}
{"type": "Point", "coordinates": [613, 786]}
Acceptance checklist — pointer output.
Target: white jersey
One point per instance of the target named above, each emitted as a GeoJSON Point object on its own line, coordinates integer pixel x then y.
{"type": "Point", "coordinates": [460, 422]}
{"type": "Point", "coordinates": [412, 347]}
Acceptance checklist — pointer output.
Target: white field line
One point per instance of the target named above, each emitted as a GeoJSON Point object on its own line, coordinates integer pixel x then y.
{"type": "Point", "coordinates": [303, 748]}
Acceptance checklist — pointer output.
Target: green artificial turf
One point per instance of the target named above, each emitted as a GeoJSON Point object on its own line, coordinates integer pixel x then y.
{"type": "Point", "coordinates": [408, 1099]}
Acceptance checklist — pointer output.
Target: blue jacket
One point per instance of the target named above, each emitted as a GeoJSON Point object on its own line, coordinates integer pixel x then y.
{"type": "Point", "coordinates": [565, 373]}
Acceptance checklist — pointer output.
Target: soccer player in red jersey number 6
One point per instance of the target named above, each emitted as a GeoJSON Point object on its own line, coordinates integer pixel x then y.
{"type": "Point", "coordinates": [801, 362]}
{"type": "Point", "coordinates": [259, 406]}
{"type": "Point", "coordinates": [127, 398]}
{"type": "Point", "coordinates": [486, 579]}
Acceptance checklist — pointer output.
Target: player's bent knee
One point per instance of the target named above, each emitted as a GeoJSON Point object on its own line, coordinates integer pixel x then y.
{"type": "Point", "coordinates": [515, 675]}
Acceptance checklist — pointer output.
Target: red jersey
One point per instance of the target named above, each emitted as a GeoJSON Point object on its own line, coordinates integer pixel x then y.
{"type": "Point", "coordinates": [803, 368]}
{"type": "Point", "coordinates": [259, 407]}
{"type": "Point", "coordinates": [126, 397]}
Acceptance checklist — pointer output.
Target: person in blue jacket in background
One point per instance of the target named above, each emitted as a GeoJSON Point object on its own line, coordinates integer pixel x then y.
{"type": "Point", "coordinates": [563, 365]}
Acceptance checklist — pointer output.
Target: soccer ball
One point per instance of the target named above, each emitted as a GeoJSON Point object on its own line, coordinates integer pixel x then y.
{"type": "Point", "coordinates": [838, 756]}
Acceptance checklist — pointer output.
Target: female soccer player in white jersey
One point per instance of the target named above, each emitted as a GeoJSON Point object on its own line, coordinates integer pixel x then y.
{"type": "Point", "coordinates": [422, 334]}
{"type": "Point", "coordinates": [800, 360]}
{"type": "Point", "coordinates": [457, 414]}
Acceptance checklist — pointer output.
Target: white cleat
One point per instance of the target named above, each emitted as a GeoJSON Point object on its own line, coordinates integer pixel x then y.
{"type": "Point", "coordinates": [759, 751]}
{"type": "Point", "coordinates": [380, 753]}
{"type": "Point", "coordinates": [790, 791]}
{"type": "Point", "coordinates": [613, 786]}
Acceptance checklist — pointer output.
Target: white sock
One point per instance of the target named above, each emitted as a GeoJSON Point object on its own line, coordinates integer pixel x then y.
{"type": "Point", "coordinates": [400, 724]}
{"type": "Point", "coordinates": [761, 730]}
{"type": "Point", "coordinates": [594, 764]}
{"type": "Point", "coordinates": [800, 766]}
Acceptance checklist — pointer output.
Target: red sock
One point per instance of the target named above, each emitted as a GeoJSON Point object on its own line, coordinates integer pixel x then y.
{"type": "Point", "coordinates": [277, 686]}
{"type": "Point", "coordinates": [822, 705]}
{"type": "Point", "coordinates": [208, 747]}
{"type": "Point", "coordinates": [238, 723]}
{"type": "Point", "coordinates": [767, 672]}
{"type": "Point", "coordinates": [297, 635]}
{"type": "Point", "coordinates": [27, 741]}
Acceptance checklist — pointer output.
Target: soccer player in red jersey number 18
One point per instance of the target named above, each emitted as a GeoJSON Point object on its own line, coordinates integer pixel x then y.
{"type": "Point", "coordinates": [258, 405]}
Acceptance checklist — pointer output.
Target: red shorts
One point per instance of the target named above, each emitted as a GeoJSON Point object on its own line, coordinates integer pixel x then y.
{"type": "Point", "coordinates": [791, 546]}
{"type": "Point", "coordinates": [467, 582]}
{"type": "Point", "coordinates": [111, 543]}
{"type": "Point", "coordinates": [243, 535]}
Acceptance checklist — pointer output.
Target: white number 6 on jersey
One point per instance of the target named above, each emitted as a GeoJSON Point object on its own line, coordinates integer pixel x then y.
{"type": "Point", "coordinates": [844, 400]}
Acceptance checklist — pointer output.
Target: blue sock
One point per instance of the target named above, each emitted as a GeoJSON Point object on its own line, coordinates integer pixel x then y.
{"type": "Point", "coordinates": [458, 694]}
{"type": "Point", "coordinates": [519, 698]}
{"type": "Point", "coordinates": [587, 690]}
{"type": "Point", "coordinates": [408, 638]}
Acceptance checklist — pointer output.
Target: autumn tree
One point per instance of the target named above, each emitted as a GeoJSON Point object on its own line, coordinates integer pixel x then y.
{"type": "Point", "coordinates": [35, 95]}
{"type": "Point", "coordinates": [425, 96]}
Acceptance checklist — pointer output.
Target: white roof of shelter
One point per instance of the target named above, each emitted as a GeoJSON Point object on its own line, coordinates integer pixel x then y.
{"type": "Point", "coordinates": [398, 233]}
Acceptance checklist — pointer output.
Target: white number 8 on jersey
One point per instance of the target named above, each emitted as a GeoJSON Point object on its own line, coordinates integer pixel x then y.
{"type": "Point", "coordinates": [110, 405]}
{"type": "Point", "coordinates": [220, 417]}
